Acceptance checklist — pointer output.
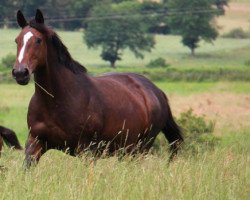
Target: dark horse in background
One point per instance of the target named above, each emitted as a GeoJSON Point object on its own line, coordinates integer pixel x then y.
{"type": "Point", "coordinates": [9, 137]}
{"type": "Point", "coordinates": [71, 110]}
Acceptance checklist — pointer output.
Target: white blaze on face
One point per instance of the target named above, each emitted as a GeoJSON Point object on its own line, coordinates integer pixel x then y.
{"type": "Point", "coordinates": [26, 38]}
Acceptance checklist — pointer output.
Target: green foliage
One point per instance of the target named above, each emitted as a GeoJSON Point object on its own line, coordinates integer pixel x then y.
{"type": "Point", "coordinates": [158, 62]}
{"type": "Point", "coordinates": [9, 60]}
{"type": "Point", "coordinates": [55, 9]}
{"type": "Point", "coordinates": [194, 125]}
{"type": "Point", "coordinates": [29, 6]}
{"type": "Point", "coordinates": [8, 9]}
{"type": "Point", "coordinates": [114, 32]}
{"type": "Point", "coordinates": [198, 134]}
{"type": "Point", "coordinates": [154, 17]}
{"type": "Point", "coordinates": [191, 42]}
{"type": "Point", "coordinates": [110, 55]}
{"type": "Point", "coordinates": [192, 19]}
{"type": "Point", "coordinates": [247, 63]}
{"type": "Point", "coordinates": [197, 131]}
{"type": "Point", "coordinates": [238, 33]}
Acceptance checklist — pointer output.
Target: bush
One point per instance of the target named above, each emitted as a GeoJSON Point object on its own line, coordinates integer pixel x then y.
{"type": "Point", "coordinates": [198, 133]}
{"type": "Point", "coordinates": [158, 62]}
{"type": "Point", "coordinates": [9, 60]}
{"type": "Point", "coordinates": [194, 125]}
{"type": "Point", "coordinates": [238, 33]}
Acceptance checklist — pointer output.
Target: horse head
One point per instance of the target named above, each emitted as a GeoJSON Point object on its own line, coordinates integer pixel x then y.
{"type": "Point", "coordinates": [31, 48]}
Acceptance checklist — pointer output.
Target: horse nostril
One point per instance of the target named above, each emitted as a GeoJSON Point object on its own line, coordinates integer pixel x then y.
{"type": "Point", "coordinates": [20, 73]}
{"type": "Point", "coordinates": [26, 72]}
{"type": "Point", "coordinates": [13, 73]}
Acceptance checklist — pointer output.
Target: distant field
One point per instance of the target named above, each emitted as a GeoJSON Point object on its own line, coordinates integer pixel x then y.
{"type": "Point", "coordinates": [219, 54]}
{"type": "Point", "coordinates": [222, 53]}
{"type": "Point", "coordinates": [237, 16]}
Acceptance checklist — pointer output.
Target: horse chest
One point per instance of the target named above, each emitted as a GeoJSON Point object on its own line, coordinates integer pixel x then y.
{"type": "Point", "coordinates": [60, 125]}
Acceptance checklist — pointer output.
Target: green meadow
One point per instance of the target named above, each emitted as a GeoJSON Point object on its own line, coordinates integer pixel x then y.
{"type": "Point", "coordinates": [222, 53]}
{"type": "Point", "coordinates": [215, 84]}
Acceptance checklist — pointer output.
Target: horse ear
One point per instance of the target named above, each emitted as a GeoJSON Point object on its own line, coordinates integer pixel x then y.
{"type": "Point", "coordinates": [39, 17]}
{"type": "Point", "coordinates": [20, 19]}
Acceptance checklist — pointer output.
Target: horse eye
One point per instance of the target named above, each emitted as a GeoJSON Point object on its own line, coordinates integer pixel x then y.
{"type": "Point", "coordinates": [38, 40]}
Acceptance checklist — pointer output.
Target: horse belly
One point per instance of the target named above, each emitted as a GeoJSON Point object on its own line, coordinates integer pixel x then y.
{"type": "Point", "coordinates": [129, 127]}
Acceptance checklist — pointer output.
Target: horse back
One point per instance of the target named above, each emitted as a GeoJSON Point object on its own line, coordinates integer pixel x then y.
{"type": "Point", "coordinates": [133, 98]}
{"type": "Point", "coordinates": [135, 86]}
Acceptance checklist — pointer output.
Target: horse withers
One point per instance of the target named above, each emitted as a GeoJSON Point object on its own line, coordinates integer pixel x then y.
{"type": "Point", "coordinates": [71, 110]}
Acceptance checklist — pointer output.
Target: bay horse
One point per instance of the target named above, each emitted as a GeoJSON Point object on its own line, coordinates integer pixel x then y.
{"type": "Point", "coordinates": [9, 137]}
{"type": "Point", "coordinates": [71, 110]}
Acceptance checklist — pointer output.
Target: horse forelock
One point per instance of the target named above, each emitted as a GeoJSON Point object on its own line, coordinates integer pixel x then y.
{"type": "Point", "coordinates": [42, 28]}
{"type": "Point", "coordinates": [63, 54]}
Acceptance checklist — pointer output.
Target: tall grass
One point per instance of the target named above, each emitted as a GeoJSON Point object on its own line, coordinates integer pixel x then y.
{"type": "Point", "coordinates": [219, 174]}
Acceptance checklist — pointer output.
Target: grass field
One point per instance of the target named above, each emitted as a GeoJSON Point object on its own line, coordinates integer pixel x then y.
{"type": "Point", "coordinates": [221, 173]}
{"type": "Point", "coordinates": [221, 53]}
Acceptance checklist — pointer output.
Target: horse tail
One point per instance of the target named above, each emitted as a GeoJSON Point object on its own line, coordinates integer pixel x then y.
{"type": "Point", "coordinates": [9, 137]}
{"type": "Point", "coordinates": [172, 132]}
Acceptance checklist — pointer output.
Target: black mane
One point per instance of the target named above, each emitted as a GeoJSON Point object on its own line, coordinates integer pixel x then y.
{"type": "Point", "coordinates": [63, 54]}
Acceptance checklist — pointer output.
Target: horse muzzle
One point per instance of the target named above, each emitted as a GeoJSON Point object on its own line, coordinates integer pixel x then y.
{"type": "Point", "coordinates": [21, 75]}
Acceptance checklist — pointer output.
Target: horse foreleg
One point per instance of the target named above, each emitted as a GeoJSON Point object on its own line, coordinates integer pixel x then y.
{"type": "Point", "coordinates": [34, 149]}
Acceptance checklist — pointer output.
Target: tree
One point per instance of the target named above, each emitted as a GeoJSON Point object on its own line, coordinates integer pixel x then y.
{"type": "Point", "coordinates": [194, 20]}
{"type": "Point", "coordinates": [116, 27]}
{"type": "Point", "coordinates": [29, 6]}
{"type": "Point", "coordinates": [66, 14]}
{"type": "Point", "coordinates": [154, 16]}
{"type": "Point", "coordinates": [7, 11]}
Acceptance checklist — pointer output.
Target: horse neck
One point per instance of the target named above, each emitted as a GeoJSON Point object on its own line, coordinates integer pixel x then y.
{"type": "Point", "coordinates": [54, 80]}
